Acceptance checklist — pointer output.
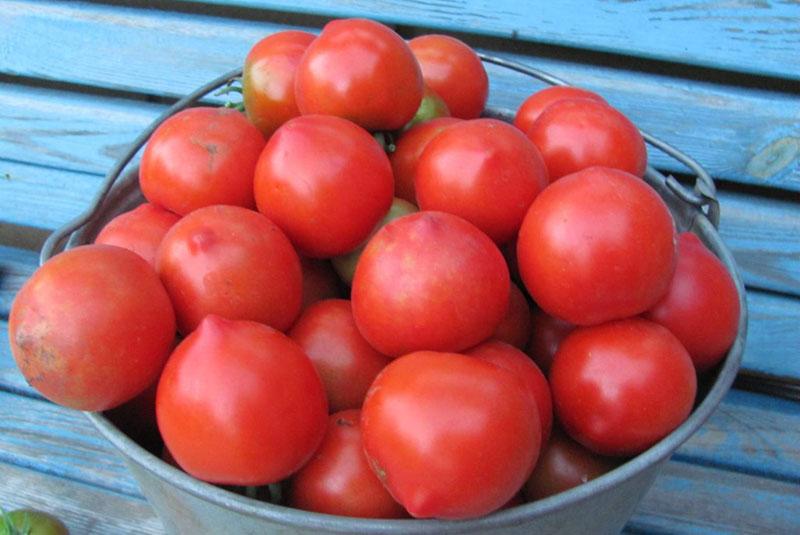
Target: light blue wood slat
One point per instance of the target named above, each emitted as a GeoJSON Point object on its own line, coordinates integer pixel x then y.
{"type": "Point", "coordinates": [85, 509]}
{"type": "Point", "coordinates": [747, 135]}
{"type": "Point", "coordinates": [16, 265]}
{"type": "Point", "coordinates": [753, 37]}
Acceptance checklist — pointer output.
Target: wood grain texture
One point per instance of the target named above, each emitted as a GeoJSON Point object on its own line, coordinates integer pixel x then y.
{"type": "Point", "coordinates": [753, 37]}
{"type": "Point", "coordinates": [16, 265]}
{"type": "Point", "coordinates": [742, 134]}
{"type": "Point", "coordinates": [86, 510]}
{"type": "Point", "coordinates": [687, 498]}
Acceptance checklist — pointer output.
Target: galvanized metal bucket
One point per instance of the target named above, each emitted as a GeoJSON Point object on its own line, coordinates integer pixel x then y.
{"type": "Point", "coordinates": [603, 505]}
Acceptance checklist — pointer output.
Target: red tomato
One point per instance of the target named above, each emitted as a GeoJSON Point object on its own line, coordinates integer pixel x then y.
{"type": "Point", "coordinates": [450, 436]}
{"type": "Point", "coordinates": [239, 403]}
{"type": "Point", "coordinates": [547, 332]}
{"type": "Point", "coordinates": [346, 363]}
{"type": "Point", "coordinates": [620, 387]}
{"type": "Point", "coordinates": [139, 230]}
{"type": "Point", "coordinates": [232, 262]}
{"type": "Point", "coordinates": [320, 281]}
{"type": "Point", "coordinates": [199, 157]}
{"type": "Point", "coordinates": [325, 181]}
{"type": "Point", "coordinates": [597, 245]}
{"type": "Point", "coordinates": [452, 69]}
{"type": "Point", "coordinates": [92, 327]}
{"type": "Point", "coordinates": [406, 154]}
{"type": "Point", "coordinates": [534, 105]}
{"type": "Point", "coordinates": [701, 306]}
{"type": "Point", "coordinates": [338, 479]}
{"type": "Point", "coordinates": [483, 170]}
{"type": "Point", "coordinates": [564, 464]}
{"type": "Point", "coordinates": [512, 359]}
{"type": "Point", "coordinates": [515, 327]}
{"type": "Point", "coordinates": [268, 79]}
{"type": "Point", "coordinates": [360, 70]}
{"type": "Point", "coordinates": [429, 280]}
{"type": "Point", "coordinates": [574, 134]}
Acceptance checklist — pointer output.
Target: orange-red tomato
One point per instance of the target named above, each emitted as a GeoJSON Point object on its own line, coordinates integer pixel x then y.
{"type": "Point", "coordinates": [360, 70]}
{"type": "Point", "coordinates": [140, 230]}
{"type": "Point", "coordinates": [268, 79]}
{"type": "Point", "coordinates": [438, 426]}
{"type": "Point", "coordinates": [534, 105]}
{"type": "Point", "coordinates": [200, 157]}
{"type": "Point", "coordinates": [92, 327]}
{"type": "Point", "coordinates": [240, 403]}
{"type": "Point", "coordinates": [454, 71]}
{"type": "Point", "coordinates": [338, 479]}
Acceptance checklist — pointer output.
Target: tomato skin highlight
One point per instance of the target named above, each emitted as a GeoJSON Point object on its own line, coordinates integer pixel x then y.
{"type": "Point", "coordinates": [701, 306]}
{"type": "Point", "coordinates": [438, 426]}
{"type": "Point", "coordinates": [620, 387]}
{"type": "Point", "coordinates": [201, 157]}
{"type": "Point", "coordinates": [139, 230]}
{"type": "Point", "coordinates": [346, 363]}
{"type": "Point", "coordinates": [454, 71]}
{"type": "Point", "coordinates": [597, 245]}
{"type": "Point", "coordinates": [232, 262]}
{"type": "Point", "coordinates": [240, 403]}
{"type": "Point", "coordinates": [360, 70]}
{"type": "Point", "coordinates": [268, 79]}
{"type": "Point", "coordinates": [573, 134]}
{"type": "Point", "coordinates": [325, 182]}
{"type": "Point", "coordinates": [483, 170]}
{"type": "Point", "coordinates": [429, 280]}
{"type": "Point", "coordinates": [338, 479]}
{"type": "Point", "coordinates": [92, 327]}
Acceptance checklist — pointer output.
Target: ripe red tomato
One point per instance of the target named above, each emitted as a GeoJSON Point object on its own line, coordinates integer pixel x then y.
{"type": "Point", "coordinates": [574, 134]}
{"type": "Point", "coordinates": [268, 79]}
{"type": "Point", "coordinates": [701, 306]}
{"type": "Point", "coordinates": [562, 465]}
{"type": "Point", "coordinates": [452, 69]}
{"type": "Point", "coordinates": [325, 181]}
{"type": "Point", "coordinates": [338, 479]}
{"type": "Point", "coordinates": [429, 280]}
{"type": "Point", "coordinates": [534, 105]}
{"type": "Point", "coordinates": [483, 170]}
{"type": "Point", "coordinates": [92, 327]}
{"type": "Point", "coordinates": [407, 151]}
{"type": "Point", "coordinates": [360, 70]}
{"type": "Point", "coordinates": [597, 245]}
{"type": "Point", "coordinates": [346, 363]}
{"type": "Point", "coordinates": [449, 435]}
{"type": "Point", "coordinates": [199, 157]}
{"type": "Point", "coordinates": [547, 332]}
{"type": "Point", "coordinates": [620, 387]}
{"type": "Point", "coordinates": [139, 230]}
{"type": "Point", "coordinates": [233, 262]}
{"type": "Point", "coordinates": [239, 403]}
{"type": "Point", "coordinates": [512, 359]}
{"type": "Point", "coordinates": [515, 327]}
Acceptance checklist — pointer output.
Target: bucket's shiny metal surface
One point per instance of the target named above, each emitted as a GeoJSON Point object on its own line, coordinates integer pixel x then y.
{"type": "Point", "coordinates": [603, 505]}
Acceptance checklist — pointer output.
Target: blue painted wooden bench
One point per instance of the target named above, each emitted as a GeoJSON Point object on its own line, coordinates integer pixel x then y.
{"type": "Point", "coordinates": [79, 80]}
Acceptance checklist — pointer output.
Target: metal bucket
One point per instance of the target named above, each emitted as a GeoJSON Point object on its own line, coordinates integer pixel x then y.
{"type": "Point", "coordinates": [603, 505]}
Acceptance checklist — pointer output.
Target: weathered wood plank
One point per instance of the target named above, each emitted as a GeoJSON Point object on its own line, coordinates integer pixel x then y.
{"type": "Point", "coordinates": [751, 37]}
{"type": "Point", "coordinates": [16, 265]}
{"type": "Point", "coordinates": [84, 509]}
{"type": "Point", "coordinates": [688, 498]}
{"type": "Point", "coordinates": [62, 442]}
{"type": "Point", "coordinates": [742, 134]}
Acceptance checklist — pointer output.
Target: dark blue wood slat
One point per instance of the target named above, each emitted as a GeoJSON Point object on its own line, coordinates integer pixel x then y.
{"type": "Point", "coordinates": [746, 135]}
{"type": "Point", "coordinates": [758, 38]}
{"type": "Point", "coordinates": [16, 265]}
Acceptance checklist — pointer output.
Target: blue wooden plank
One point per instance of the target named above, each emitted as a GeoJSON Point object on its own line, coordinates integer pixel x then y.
{"type": "Point", "coordinates": [743, 134]}
{"type": "Point", "coordinates": [16, 265]}
{"type": "Point", "coordinates": [751, 37]}
{"type": "Point", "coordinates": [773, 338]}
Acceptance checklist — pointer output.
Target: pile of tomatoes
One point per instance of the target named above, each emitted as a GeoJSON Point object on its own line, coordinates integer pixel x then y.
{"type": "Point", "coordinates": [474, 314]}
